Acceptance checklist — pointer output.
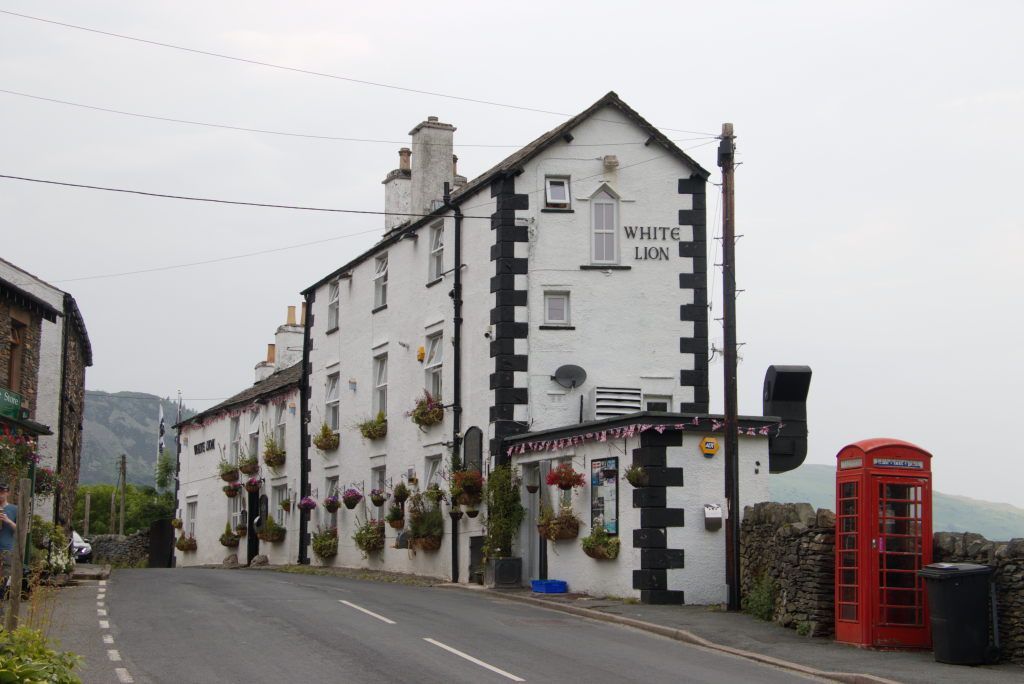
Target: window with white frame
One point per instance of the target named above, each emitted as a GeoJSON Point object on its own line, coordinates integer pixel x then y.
{"type": "Point", "coordinates": [380, 281]}
{"type": "Point", "coordinates": [254, 433]}
{"type": "Point", "coordinates": [432, 469]}
{"type": "Point", "coordinates": [379, 477]}
{"type": "Point", "coordinates": [604, 208]}
{"type": "Point", "coordinates": [333, 294]}
{"type": "Point", "coordinates": [331, 401]}
{"type": "Point", "coordinates": [657, 403]}
{"type": "Point", "coordinates": [436, 266]}
{"type": "Point", "coordinates": [236, 440]}
{"type": "Point", "coordinates": [331, 489]}
{"type": "Point", "coordinates": [278, 494]}
{"type": "Point", "coordinates": [235, 511]}
{"type": "Point", "coordinates": [191, 512]}
{"type": "Point", "coordinates": [280, 425]}
{"type": "Point", "coordinates": [380, 384]}
{"type": "Point", "coordinates": [432, 365]}
{"type": "Point", "coordinates": [556, 308]}
{"type": "Point", "coordinates": [556, 193]}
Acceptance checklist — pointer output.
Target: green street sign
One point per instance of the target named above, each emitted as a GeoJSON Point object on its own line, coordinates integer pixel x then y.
{"type": "Point", "coordinates": [10, 404]}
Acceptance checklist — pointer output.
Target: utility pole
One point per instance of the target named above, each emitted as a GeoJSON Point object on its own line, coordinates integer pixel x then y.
{"type": "Point", "coordinates": [21, 537]}
{"type": "Point", "coordinates": [113, 511]}
{"type": "Point", "coordinates": [726, 160]}
{"type": "Point", "coordinates": [124, 486]}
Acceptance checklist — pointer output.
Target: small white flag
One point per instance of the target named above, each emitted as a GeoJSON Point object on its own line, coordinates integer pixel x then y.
{"type": "Point", "coordinates": [160, 444]}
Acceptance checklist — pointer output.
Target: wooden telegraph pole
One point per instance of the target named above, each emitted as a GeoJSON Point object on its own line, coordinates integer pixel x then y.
{"type": "Point", "coordinates": [124, 486]}
{"type": "Point", "coordinates": [18, 555]}
{"type": "Point", "coordinates": [726, 154]}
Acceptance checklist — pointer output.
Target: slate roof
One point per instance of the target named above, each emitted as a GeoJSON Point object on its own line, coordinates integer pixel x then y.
{"type": "Point", "coordinates": [510, 163]}
{"type": "Point", "coordinates": [278, 382]}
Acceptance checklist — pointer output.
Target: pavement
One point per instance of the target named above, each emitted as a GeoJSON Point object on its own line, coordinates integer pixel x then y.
{"type": "Point", "coordinates": [708, 627]}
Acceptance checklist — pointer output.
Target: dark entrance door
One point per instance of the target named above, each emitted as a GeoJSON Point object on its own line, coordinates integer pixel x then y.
{"type": "Point", "coordinates": [161, 544]}
{"type": "Point", "coordinates": [252, 543]}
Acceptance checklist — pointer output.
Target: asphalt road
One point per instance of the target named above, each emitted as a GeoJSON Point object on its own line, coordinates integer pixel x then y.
{"type": "Point", "coordinates": [191, 625]}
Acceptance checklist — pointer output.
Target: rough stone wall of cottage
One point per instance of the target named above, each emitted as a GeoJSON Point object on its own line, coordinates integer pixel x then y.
{"type": "Point", "coordinates": [27, 387]}
{"type": "Point", "coordinates": [794, 546]}
{"type": "Point", "coordinates": [73, 410]}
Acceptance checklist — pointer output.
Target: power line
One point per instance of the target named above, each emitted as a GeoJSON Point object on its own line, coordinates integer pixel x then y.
{"type": "Point", "coordinates": [283, 133]}
{"type": "Point", "coordinates": [307, 71]}
{"type": "Point", "coordinates": [262, 205]}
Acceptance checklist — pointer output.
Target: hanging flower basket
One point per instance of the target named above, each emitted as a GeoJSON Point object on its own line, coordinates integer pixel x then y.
{"type": "Point", "coordinates": [274, 459]}
{"type": "Point", "coordinates": [455, 513]}
{"type": "Point", "coordinates": [252, 485]}
{"type": "Point", "coordinates": [332, 503]}
{"type": "Point", "coordinates": [400, 493]}
{"type": "Point", "coordinates": [374, 428]}
{"type": "Point", "coordinates": [271, 532]}
{"type": "Point", "coordinates": [565, 525]}
{"type": "Point", "coordinates": [637, 476]}
{"type": "Point", "coordinates": [428, 411]}
{"type": "Point", "coordinates": [186, 543]}
{"type": "Point", "coordinates": [229, 539]}
{"type": "Point", "coordinates": [565, 477]}
{"type": "Point", "coordinates": [286, 505]}
{"type": "Point", "coordinates": [378, 497]}
{"type": "Point", "coordinates": [426, 543]}
{"type": "Point", "coordinates": [397, 523]}
{"type": "Point", "coordinates": [326, 440]}
{"type": "Point", "coordinates": [600, 545]}
{"type": "Point", "coordinates": [351, 498]}
{"type": "Point", "coordinates": [241, 530]}
{"type": "Point", "coordinates": [176, 523]}
{"type": "Point", "coordinates": [325, 543]}
{"type": "Point", "coordinates": [433, 494]}
{"type": "Point", "coordinates": [369, 536]}
{"type": "Point", "coordinates": [47, 482]}
{"type": "Point", "coordinates": [229, 475]}
{"type": "Point", "coordinates": [307, 503]}
{"type": "Point", "coordinates": [467, 499]}
{"type": "Point", "coordinates": [249, 465]}
{"type": "Point", "coordinates": [472, 512]}
{"type": "Point", "coordinates": [231, 490]}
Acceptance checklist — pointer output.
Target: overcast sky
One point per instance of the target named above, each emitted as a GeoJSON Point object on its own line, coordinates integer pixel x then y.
{"type": "Point", "coordinates": [877, 197]}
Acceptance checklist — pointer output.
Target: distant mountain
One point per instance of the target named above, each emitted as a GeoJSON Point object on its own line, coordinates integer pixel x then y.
{"type": "Point", "coordinates": [124, 423]}
{"type": "Point", "coordinates": [816, 484]}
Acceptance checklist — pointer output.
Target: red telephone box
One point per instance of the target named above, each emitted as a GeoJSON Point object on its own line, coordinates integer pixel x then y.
{"type": "Point", "coordinates": [883, 537]}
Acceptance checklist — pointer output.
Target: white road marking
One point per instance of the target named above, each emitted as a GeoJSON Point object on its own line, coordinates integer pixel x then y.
{"type": "Point", "coordinates": [368, 612]}
{"type": "Point", "coordinates": [101, 612]}
{"type": "Point", "coordinates": [99, 604]}
{"type": "Point", "coordinates": [475, 661]}
{"type": "Point", "coordinates": [114, 656]}
{"type": "Point", "coordinates": [108, 639]}
{"type": "Point", "coordinates": [104, 624]}
{"type": "Point", "coordinates": [103, 583]}
{"type": "Point", "coordinates": [123, 676]}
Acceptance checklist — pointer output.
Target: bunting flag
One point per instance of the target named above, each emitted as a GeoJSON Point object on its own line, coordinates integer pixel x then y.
{"type": "Point", "coordinates": [160, 442]}
{"type": "Point", "coordinates": [632, 431]}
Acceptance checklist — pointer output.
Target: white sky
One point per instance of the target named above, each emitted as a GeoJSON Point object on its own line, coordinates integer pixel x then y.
{"type": "Point", "coordinates": [879, 143]}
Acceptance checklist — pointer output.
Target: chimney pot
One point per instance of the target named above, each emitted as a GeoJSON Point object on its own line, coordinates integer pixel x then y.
{"type": "Point", "coordinates": [271, 353]}
{"type": "Point", "coordinates": [291, 315]}
{"type": "Point", "coordinates": [302, 321]}
{"type": "Point", "coordinates": [431, 118]}
{"type": "Point", "coordinates": [403, 158]}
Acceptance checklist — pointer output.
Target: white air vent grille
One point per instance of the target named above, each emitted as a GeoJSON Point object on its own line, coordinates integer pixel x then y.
{"type": "Point", "coordinates": [616, 401]}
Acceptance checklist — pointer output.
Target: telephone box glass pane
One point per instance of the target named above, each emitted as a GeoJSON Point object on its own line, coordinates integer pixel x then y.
{"type": "Point", "coordinates": [848, 490]}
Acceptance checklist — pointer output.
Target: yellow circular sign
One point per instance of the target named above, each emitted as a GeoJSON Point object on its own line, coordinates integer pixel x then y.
{"type": "Point", "coordinates": [709, 445]}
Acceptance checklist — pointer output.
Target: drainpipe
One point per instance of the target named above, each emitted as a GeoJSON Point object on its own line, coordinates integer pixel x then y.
{"type": "Point", "coordinates": [456, 295]}
{"type": "Point", "coordinates": [304, 487]}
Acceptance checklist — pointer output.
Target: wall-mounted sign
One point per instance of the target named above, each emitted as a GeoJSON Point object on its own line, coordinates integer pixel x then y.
{"type": "Point", "coordinates": [851, 463]}
{"type": "Point", "coordinates": [899, 463]}
{"type": "Point", "coordinates": [202, 447]}
{"type": "Point", "coordinates": [661, 233]}
{"type": "Point", "coordinates": [10, 404]}
{"type": "Point", "coordinates": [709, 446]}
{"type": "Point", "coordinates": [604, 494]}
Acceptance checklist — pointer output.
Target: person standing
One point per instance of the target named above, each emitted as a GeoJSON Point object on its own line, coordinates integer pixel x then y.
{"type": "Point", "coordinates": [8, 528]}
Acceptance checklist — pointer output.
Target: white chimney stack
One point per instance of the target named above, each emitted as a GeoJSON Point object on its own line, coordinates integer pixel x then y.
{"type": "Point", "coordinates": [432, 143]}
{"type": "Point", "coordinates": [396, 192]}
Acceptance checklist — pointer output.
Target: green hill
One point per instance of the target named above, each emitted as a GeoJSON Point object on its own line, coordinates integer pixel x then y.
{"type": "Point", "coordinates": [815, 484]}
{"type": "Point", "coordinates": [124, 423]}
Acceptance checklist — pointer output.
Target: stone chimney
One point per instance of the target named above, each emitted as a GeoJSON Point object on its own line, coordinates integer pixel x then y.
{"type": "Point", "coordinates": [431, 164]}
{"type": "Point", "coordinates": [397, 186]}
{"type": "Point", "coordinates": [264, 369]}
{"type": "Point", "coordinates": [288, 342]}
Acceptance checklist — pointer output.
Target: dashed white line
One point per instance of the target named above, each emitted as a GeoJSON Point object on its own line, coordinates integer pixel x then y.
{"type": "Point", "coordinates": [123, 676]}
{"type": "Point", "coordinates": [99, 604]}
{"type": "Point", "coordinates": [104, 624]}
{"type": "Point", "coordinates": [101, 612]}
{"type": "Point", "coordinates": [103, 583]}
{"type": "Point", "coordinates": [475, 661]}
{"type": "Point", "coordinates": [114, 656]}
{"type": "Point", "coordinates": [368, 612]}
{"type": "Point", "coordinates": [108, 639]}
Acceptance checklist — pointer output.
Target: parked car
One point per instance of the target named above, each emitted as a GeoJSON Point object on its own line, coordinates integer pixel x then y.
{"type": "Point", "coordinates": [81, 548]}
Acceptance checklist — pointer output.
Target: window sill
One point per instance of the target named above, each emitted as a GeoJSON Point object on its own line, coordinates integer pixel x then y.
{"type": "Point", "coordinates": [379, 308]}
{"type": "Point", "coordinates": [332, 330]}
{"type": "Point", "coordinates": [558, 327]}
{"type": "Point", "coordinates": [434, 282]}
{"type": "Point", "coordinates": [605, 267]}
{"type": "Point", "coordinates": [555, 210]}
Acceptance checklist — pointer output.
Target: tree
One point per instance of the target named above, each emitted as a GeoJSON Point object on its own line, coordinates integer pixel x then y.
{"type": "Point", "coordinates": [142, 505]}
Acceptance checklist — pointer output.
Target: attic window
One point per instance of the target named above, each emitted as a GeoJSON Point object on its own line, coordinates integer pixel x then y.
{"type": "Point", "coordinates": [557, 193]}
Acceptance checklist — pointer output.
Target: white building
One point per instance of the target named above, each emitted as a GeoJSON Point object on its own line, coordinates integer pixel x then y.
{"type": "Point", "coordinates": [233, 430]}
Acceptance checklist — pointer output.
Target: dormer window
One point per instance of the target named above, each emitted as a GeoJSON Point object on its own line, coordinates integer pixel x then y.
{"type": "Point", "coordinates": [556, 193]}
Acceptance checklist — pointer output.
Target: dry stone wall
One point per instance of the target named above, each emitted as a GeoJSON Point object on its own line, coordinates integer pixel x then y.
{"type": "Point", "coordinates": [794, 546]}
{"type": "Point", "coordinates": [121, 551]}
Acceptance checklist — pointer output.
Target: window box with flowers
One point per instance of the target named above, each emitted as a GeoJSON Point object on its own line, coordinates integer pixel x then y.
{"type": "Point", "coordinates": [428, 411]}
{"type": "Point", "coordinates": [565, 477]}
{"type": "Point", "coordinates": [351, 498]}
{"type": "Point", "coordinates": [273, 453]}
{"type": "Point", "coordinates": [229, 538]}
{"type": "Point", "coordinates": [249, 465]}
{"type": "Point", "coordinates": [186, 543]}
{"type": "Point", "coordinates": [326, 439]}
{"type": "Point", "coordinates": [272, 532]}
{"type": "Point", "coordinates": [374, 428]}
{"type": "Point", "coordinates": [332, 503]}
{"type": "Point", "coordinates": [325, 543]}
{"type": "Point", "coordinates": [369, 537]}
{"type": "Point", "coordinates": [307, 503]}
{"type": "Point", "coordinates": [231, 490]}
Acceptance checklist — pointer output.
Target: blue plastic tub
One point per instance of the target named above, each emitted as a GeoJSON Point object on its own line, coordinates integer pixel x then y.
{"type": "Point", "coordinates": [549, 586]}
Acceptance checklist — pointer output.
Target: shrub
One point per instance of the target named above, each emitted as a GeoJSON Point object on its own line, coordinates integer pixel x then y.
{"type": "Point", "coordinates": [760, 602]}
{"type": "Point", "coordinates": [504, 513]}
{"type": "Point", "coordinates": [26, 656]}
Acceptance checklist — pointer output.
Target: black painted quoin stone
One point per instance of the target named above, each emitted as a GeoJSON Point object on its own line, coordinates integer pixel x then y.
{"type": "Point", "coordinates": [655, 517]}
{"type": "Point", "coordinates": [697, 311]}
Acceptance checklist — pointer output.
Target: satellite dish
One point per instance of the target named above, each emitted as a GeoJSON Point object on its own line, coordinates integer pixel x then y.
{"type": "Point", "coordinates": [570, 376]}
